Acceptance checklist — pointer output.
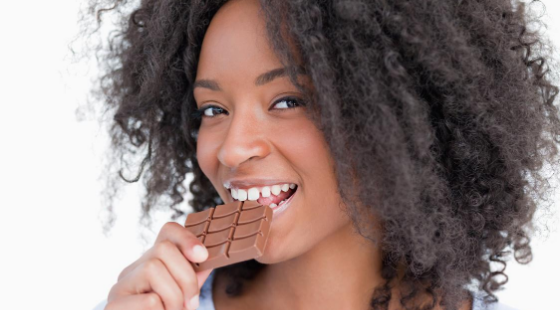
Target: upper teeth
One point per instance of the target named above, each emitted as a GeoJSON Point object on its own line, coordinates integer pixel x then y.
{"type": "Point", "coordinates": [254, 193]}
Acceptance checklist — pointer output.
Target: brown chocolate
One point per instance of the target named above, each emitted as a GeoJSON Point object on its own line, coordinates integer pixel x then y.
{"type": "Point", "coordinates": [232, 233]}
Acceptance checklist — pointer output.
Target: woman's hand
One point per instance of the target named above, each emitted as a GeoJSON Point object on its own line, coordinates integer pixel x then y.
{"type": "Point", "coordinates": [163, 278]}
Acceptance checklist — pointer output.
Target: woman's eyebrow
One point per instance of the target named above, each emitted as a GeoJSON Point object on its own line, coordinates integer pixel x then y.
{"type": "Point", "coordinates": [262, 79]}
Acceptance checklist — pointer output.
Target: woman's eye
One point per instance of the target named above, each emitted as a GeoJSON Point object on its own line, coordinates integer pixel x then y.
{"type": "Point", "coordinates": [208, 111]}
{"type": "Point", "coordinates": [287, 103]}
{"type": "Point", "coordinates": [212, 111]}
{"type": "Point", "coordinates": [282, 104]}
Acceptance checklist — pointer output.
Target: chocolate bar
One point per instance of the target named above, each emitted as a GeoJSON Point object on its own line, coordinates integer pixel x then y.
{"type": "Point", "coordinates": [232, 233]}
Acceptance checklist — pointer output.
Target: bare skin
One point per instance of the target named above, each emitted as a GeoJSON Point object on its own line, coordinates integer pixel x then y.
{"type": "Point", "coordinates": [314, 258]}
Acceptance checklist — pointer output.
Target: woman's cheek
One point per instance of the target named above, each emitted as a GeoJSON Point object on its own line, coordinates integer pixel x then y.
{"type": "Point", "coordinates": [206, 154]}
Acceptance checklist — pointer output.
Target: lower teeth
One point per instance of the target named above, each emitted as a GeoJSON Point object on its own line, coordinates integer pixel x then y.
{"type": "Point", "coordinates": [273, 205]}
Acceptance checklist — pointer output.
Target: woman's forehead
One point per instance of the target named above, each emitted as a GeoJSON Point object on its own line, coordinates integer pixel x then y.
{"type": "Point", "coordinates": [236, 53]}
{"type": "Point", "coordinates": [236, 41]}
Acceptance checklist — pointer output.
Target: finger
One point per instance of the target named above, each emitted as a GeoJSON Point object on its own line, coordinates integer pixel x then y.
{"type": "Point", "coordinates": [148, 301]}
{"type": "Point", "coordinates": [130, 267]}
{"type": "Point", "coordinates": [179, 267]}
{"type": "Point", "coordinates": [186, 241]}
{"type": "Point", "coordinates": [202, 276]}
{"type": "Point", "coordinates": [180, 236]}
{"type": "Point", "coordinates": [150, 276]}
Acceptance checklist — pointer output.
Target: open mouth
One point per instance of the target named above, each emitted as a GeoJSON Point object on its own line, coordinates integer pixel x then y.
{"type": "Point", "coordinates": [271, 200]}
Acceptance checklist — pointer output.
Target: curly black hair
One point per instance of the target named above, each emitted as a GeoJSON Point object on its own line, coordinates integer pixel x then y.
{"type": "Point", "coordinates": [439, 115]}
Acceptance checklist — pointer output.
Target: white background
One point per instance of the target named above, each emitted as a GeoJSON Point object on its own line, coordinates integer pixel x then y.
{"type": "Point", "coordinates": [54, 254]}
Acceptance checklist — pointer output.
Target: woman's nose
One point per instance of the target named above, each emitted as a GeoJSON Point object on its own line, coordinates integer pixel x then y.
{"type": "Point", "coordinates": [246, 139]}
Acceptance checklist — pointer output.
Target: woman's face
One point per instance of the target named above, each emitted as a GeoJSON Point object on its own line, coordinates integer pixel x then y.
{"type": "Point", "coordinates": [250, 137]}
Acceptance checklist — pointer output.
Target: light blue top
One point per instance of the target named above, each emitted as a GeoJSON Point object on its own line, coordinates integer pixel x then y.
{"type": "Point", "coordinates": [207, 303]}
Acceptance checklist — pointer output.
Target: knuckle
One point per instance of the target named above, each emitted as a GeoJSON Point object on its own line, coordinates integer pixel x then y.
{"type": "Point", "coordinates": [153, 301]}
{"type": "Point", "coordinates": [152, 266]}
{"type": "Point", "coordinates": [113, 292]}
{"type": "Point", "coordinates": [163, 248]}
{"type": "Point", "coordinates": [170, 226]}
{"type": "Point", "coordinates": [123, 273]}
{"type": "Point", "coordinates": [167, 229]}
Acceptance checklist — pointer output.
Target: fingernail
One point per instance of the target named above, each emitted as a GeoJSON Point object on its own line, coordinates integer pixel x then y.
{"type": "Point", "coordinates": [193, 303]}
{"type": "Point", "coordinates": [200, 253]}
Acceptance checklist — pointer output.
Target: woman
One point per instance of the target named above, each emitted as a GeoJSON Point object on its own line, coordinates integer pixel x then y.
{"type": "Point", "coordinates": [405, 129]}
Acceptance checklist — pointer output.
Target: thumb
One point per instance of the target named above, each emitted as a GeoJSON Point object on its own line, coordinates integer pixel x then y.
{"type": "Point", "coordinates": [201, 276]}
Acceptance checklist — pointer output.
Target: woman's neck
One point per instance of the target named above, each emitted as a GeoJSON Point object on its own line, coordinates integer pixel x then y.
{"type": "Point", "coordinates": [338, 273]}
{"type": "Point", "coordinates": [341, 272]}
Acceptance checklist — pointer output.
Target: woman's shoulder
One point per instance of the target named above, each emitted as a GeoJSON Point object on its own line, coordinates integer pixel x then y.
{"type": "Point", "coordinates": [479, 303]}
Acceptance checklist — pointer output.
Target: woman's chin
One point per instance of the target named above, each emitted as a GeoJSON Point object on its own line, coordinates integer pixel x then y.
{"type": "Point", "coordinates": [269, 259]}
{"type": "Point", "coordinates": [265, 260]}
{"type": "Point", "coordinates": [270, 256]}
{"type": "Point", "coordinates": [274, 253]}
